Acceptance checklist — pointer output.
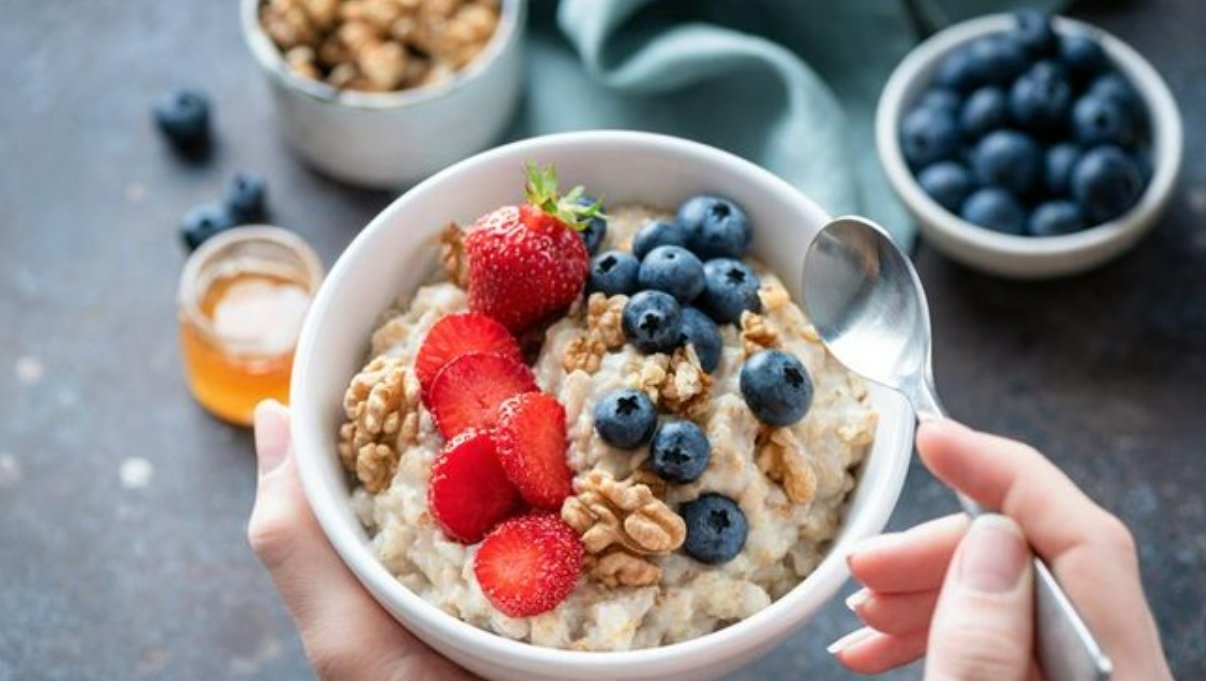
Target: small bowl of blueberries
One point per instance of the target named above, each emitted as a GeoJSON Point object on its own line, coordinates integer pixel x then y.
{"type": "Point", "coordinates": [1029, 146]}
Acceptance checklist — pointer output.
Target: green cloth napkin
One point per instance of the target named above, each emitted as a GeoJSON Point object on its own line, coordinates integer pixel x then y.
{"type": "Point", "coordinates": [789, 84]}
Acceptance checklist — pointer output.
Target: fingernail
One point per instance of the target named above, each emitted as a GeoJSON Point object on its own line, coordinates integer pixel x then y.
{"type": "Point", "coordinates": [856, 599]}
{"type": "Point", "coordinates": [993, 555]}
{"type": "Point", "coordinates": [849, 640]}
{"type": "Point", "coordinates": [271, 435]}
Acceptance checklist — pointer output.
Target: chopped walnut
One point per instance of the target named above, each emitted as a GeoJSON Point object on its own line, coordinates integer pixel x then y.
{"type": "Point", "coordinates": [773, 296]}
{"type": "Point", "coordinates": [756, 336]}
{"type": "Point", "coordinates": [604, 331]}
{"type": "Point", "coordinates": [622, 517]}
{"type": "Point", "coordinates": [675, 381]}
{"type": "Point", "coordinates": [381, 405]}
{"type": "Point", "coordinates": [452, 254]}
{"type": "Point", "coordinates": [780, 456]}
{"type": "Point", "coordinates": [301, 59]}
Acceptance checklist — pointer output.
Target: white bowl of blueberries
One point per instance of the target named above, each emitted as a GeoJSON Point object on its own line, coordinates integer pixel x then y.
{"type": "Point", "coordinates": [1029, 146]}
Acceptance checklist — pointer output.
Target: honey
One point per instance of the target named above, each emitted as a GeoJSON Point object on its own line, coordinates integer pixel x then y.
{"type": "Point", "coordinates": [243, 298]}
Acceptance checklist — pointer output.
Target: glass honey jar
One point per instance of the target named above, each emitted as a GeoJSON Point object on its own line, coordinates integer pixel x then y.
{"type": "Point", "coordinates": [243, 297]}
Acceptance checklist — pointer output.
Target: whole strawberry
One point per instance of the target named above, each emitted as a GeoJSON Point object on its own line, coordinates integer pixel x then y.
{"type": "Point", "coordinates": [527, 262]}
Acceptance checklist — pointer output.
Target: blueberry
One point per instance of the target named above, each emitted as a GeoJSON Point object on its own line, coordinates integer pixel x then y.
{"type": "Point", "coordinates": [730, 288]}
{"type": "Point", "coordinates": [245, 197]}
{"type": "Point", "coordinates": [1040, 98]}
{"type": "Point", "coordinates": [999, 58]}
{"type": "Point", "coordinates": [1054, 218]}
{"type": "Point", "coordinates": [940, 98]}
{"type": "Point", "coordinates": [1102, 120]}
{"type": "Point", "coordinates": [948, 183]}
{"type": "Point", "coordinates": [716, 227]}
{"type": "Point", "coordinates": [612, 273]}
{"type": "Point", "coordinates": [1035, 32]}
{"type": "Point", "coordinates": [1057, 167]}
{"type": "Point", "coordinates": [652, 321]}
{"type": "Point", "coordinates": [995, 209]}
{"type": "Point", "coordinates": [929, 135]}
{"type": "Point", "coordinates": [702, 333]}
{"type": "Point", "coordinates": [679, 451]}
{"type": "Point", "coordinates": [1112, 85]}
{"type": "Point", "coordinates": [1008, 159]}
{"type": "Point", "coordinates": [716, 528]}
{"type": "Point", "coordinates": [657, 233]}
{"type": "Point", "coordinates": [960, 70]}
{"type": "Point", "coordinates": [675, 270]}
{"type": "Point", "coordinates": [202, 223]}
{"type": "Point", "coordinates": [984, 111]}
{"type": "Point", "coordinates": [596, 227]}
{"type": "Point", "coordinates": [1107, 183]}
{"type": "Point", "coordinates": [1082, 56]}
{"type": "Point", "coordinates": [776, 387]}
{"type": "Point", "coordinates": [183, 117]}
{"type": "Point", "coordinates": [625, 418]}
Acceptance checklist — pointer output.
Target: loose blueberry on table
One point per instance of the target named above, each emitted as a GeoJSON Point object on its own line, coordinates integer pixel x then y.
{"type": "Point", "coordinates": [1029, 132]}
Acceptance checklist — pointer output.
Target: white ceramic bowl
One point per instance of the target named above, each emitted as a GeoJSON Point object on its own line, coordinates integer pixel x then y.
{"type": "Point", "coordinates": [397, 250]}
{"type": "Point", "coordinates": [1017, 256]}
{"type": "Point", "coordinates": [394, 139]}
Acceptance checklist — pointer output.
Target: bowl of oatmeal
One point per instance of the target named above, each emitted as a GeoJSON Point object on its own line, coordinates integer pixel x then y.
{"type": "Point", "coordinates": [382, 93]}
{"type": "Point", "coordinates": [591, 548]}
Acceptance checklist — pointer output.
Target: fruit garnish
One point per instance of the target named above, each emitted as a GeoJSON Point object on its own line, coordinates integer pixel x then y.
{"type": "Point", "coordinates": [456, 335]}
{"type": "Point", "coordinates": [531, 440]}
{"type": "Point", "coordinates": [525, 263]}
{"type": "Point", "coordinates": [469, 494]}
{"type": "Point", "coordinates": [529, 564]}
{"type": "Point", "coordinates": [468, 391]}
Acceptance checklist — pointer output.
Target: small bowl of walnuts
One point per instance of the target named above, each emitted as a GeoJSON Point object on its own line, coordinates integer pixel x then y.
{"type": "Point", "coordinates": [382, 93]}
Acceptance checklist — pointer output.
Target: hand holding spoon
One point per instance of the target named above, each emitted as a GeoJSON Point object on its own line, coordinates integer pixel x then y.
{"type": "Point", "coordinates": [866, 302]}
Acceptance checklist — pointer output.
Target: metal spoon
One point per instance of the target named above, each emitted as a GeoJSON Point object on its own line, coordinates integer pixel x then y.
{"type": "Point", "coordinates": [866, 302]}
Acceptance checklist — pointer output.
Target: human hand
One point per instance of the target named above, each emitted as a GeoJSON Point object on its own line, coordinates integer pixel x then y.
{"type": "Point", "coordinates": [974, 620]}
{"type": "Point", "coordinates": [347, 635]}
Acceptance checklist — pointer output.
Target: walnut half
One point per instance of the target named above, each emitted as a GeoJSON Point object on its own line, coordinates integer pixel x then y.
{"type": "Point", "coordinates": [604, 332]}
{"type": "Point", "coordinates": [780, 456]}
{"type": "Point", "coordinates": [381, 405]}
{"type": "Point", "coordinates": [616, 517]}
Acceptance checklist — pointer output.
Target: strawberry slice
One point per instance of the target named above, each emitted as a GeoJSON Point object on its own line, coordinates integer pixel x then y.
{"type": "Point", "coordinates": [469, 492]}
{"type": "Point", "coordinates": [468, 390]}
{"type": "Point", "coordinates": [529, 564]}
{"type": "Point", "coordinates": [456, 335]}
{"type": "Point", "coordinates": [531, 441]}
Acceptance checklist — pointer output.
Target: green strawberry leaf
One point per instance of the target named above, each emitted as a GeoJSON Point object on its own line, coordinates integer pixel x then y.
{"type": "Point", "coordinates": [541, 192]}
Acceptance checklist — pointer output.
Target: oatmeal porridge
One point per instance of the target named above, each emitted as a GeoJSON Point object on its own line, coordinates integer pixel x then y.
{"type": "Point", "coordinates": [664, 484]}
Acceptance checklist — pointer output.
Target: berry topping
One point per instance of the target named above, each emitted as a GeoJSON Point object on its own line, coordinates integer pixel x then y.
{"type": "Point", "coordinates": [468, 390]}
{"type": "Point", "coordinates": [525, 263]}
{"type": "Point", "coordinates": [652, 321]}
{"type": "Point", "coordinates": [776, 387]}
{"type": "Point", "coordinates": [531, 441]}
{"type": "Point", "coordinates": [613, 272]}
{"type": "Point", "coordinates": [679, 451]}
{"type": "Point", "coordinates": [657, 233]}
{"type": "Point", "coordinates": [675, 270]}
{"type": "Point", "coordinates": [245, 197]}
{"type": "Point", "coordinates": [716, 227]}
{"type": "Point", "coordinates": [528, 565]}
{"type": "Point", "coordinates": [716, 528]}
{"type": "Point", "coordinates": [596, 224]}
{"type": "Point", "coordinates": [625, 418]}
{"type": "Point", "coordinates": [469, 493]}
{"type": "Point", "coordinates": [459, 334]}
{"type": "Point", "coordinates": [203, 222]}
{"type": "Point", "coordinates": [701, 332]}
{"type": "Point", "coordinates": [730, 288]}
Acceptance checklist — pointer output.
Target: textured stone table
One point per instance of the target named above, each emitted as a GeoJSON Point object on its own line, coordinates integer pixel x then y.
{"type": "Point", "coordinates": [122, 505]}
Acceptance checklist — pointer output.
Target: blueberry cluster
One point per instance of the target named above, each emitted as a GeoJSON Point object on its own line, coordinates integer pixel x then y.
{"type": "Point", "coordinates": [683, 278]}
{"type": "Point", "coordinates": [1030, 132]}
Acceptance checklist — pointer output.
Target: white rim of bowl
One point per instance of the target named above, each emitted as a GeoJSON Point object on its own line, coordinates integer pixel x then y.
{"type": "Point", "coordinates": [779, 617]}
{"type": "Point", "coordinates": [272, 60]}
{"type": "Point", "coordinates": [1166, 147]}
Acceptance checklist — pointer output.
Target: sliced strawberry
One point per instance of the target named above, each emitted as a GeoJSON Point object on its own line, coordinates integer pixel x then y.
{"type": "Point", "coordinates": [529, 564]}
{"type": "Point", "coordinates": [456, 335]}
{"type": "Point", "coordinates": [468, 390]}
{"type": "Point", "coordinates": [469, 493]}
{"type": "Point", "coordinates": [531, 447]}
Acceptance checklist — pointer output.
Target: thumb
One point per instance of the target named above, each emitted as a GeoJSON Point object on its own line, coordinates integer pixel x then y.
{"type": "Point", "coordinates": [983, 623]}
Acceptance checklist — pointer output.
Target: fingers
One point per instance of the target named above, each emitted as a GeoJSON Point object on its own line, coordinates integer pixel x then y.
{"type": "Point", "coordinates": [867, 651]}
{"type": "Point", "coordinates": [896, 614]}
{"type": "Point", "coordinates": [982, 626]}
{"type": "Point", "coordinates": [910, 561]}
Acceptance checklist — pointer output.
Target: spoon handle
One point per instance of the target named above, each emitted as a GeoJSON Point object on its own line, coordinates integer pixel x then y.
{"type": "Point", "coordinates": [1065, 648]}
